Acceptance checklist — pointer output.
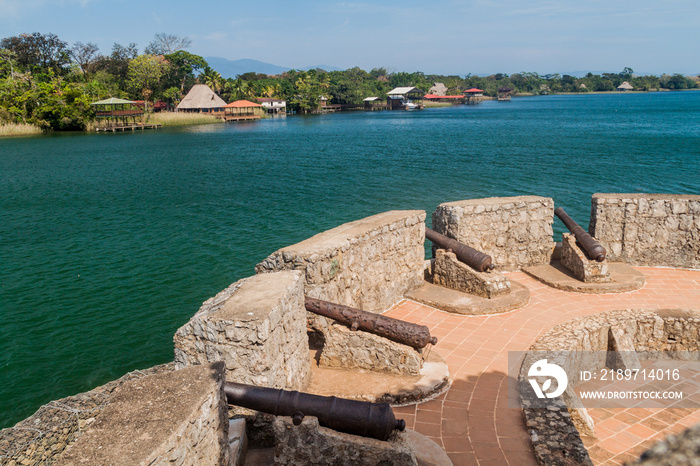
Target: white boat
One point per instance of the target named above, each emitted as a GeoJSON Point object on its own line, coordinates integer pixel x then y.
{"type": "Point", "coordinates": [408, 105]}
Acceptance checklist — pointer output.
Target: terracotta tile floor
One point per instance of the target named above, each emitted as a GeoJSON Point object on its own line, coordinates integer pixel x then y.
{"type": "Point", "coordinates": [473, 422]}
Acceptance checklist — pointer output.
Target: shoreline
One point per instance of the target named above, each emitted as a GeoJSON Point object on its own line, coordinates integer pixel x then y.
{"type": "Point", "coordinates": [184, 119]}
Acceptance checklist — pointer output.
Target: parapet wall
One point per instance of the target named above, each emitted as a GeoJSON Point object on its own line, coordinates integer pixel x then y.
{"type": "Point", "coordinates": [257, 326]}
{"type": "Point", "coordinates": [648, 229]}
{"type": "Point", "coordinates": [515, 231]}
{"type": "Point", "coordinates": [177, 417]}
{"type": "Point", "coordinates": [586, 341]}
{"type": "Point", "coordinates": [368, 264]}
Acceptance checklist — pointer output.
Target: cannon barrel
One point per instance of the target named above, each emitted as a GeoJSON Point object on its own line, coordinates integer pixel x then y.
{"type": "Point", "coordinates": [407, 333]}
{"type": "Point", "coordinates": [475, 259]}
{"type": "Point", "coordinates": [594, 250]}
{"type": "Point", "coordinates": [363, 418]}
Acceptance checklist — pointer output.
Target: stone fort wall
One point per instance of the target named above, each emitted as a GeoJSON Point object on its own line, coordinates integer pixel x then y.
{"type": "Point", "coordinates": [515, 231]}
{"type": "Point", "coordinates": [648, 229]}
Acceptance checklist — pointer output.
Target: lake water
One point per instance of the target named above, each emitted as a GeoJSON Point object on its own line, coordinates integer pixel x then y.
{"type": "Point", "coordinates": [110, 242]}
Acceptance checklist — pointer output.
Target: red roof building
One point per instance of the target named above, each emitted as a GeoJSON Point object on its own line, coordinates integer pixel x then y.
{"type": "Point", "coordinates": [243, 110]}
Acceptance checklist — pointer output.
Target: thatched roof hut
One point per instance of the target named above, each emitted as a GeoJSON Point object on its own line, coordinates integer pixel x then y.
{"type": "Point", "coordinates": [201, 99]}
{"type": "Point", "coordinates": [625, 86]}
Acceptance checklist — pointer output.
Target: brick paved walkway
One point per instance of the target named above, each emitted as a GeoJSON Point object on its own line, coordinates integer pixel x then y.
{"type": "Point", "coordinates": [472, 420]}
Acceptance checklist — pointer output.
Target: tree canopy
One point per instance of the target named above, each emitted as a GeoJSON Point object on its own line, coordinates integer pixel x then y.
{"type": "Point", "coordinates": [47, 82]}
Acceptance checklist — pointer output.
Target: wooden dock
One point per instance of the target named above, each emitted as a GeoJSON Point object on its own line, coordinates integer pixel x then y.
{"type": "Point", "coordinates": [251, 117]}
{"type": "Point", "coordinates": [133, 127]}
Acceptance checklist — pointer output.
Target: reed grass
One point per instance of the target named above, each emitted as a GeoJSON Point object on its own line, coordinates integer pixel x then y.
{"type": "Point", "coordinates": [181, 119]}
{"type": "Point", "coordinates": [18, 129]}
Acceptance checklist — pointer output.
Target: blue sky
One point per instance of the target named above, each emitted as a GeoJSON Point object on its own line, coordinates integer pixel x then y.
{"type": "Point", "coordinates": [445, 37]}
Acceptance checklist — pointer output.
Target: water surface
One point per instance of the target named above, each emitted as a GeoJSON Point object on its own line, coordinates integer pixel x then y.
{"type": "Point", "coordinates": [110, 242]}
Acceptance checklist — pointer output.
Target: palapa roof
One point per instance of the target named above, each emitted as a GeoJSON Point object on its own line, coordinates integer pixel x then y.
{"type": "Point", "coordinates": [626, 86]}
{"type": "Point", "coordinates": [242, 104]}
{"type": "Point", "coordinates": [402, 91]}
{"type": "Point", "coordinates": [113, 101]}
{"type": "Point", "coordinates": [438, 89]}
{"type": "Point", "coordinates": [201, 96]}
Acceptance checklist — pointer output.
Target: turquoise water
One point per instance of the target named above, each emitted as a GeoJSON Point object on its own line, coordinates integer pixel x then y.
{"type": "Point", "coordinates": [110, 242]}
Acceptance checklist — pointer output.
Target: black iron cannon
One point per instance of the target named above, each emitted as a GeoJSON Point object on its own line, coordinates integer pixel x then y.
{"type": "Point", "coordinates": [362, 418]}
{"type": "Point", "coordinates": [594, 250]}
{"type": "Point", "coordinates": [475, 259]}
{"type": "Point", "coordinates": [407, 333]}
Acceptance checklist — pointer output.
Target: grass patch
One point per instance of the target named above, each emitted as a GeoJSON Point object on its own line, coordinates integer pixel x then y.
{"type": "Point", "coordinates": [181, 119]}
{"type": "Point", "coordinates": [18, 129]}
{"type": "Point", "coordinates": [428, 104]}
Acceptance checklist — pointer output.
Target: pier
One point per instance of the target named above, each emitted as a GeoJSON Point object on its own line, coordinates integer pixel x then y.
{"type": "Point", "coordinates": [132, 127]}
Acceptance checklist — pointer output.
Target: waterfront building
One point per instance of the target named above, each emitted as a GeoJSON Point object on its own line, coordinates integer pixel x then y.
{"type": "Point", "coordinates": [273, 105]}
{"type": "Point", "coordinates": [625, 86]}
{"type": "Point", "coordinates": [504, 94]}
{"type": "Point", "coordinates": [472, 95]}
{"type": "Point", "coordinates": [201, 99]}
{"type": "Point", "coordinates": [373, 103]}
{"type": "Point", "coordinates": [241, 110]}
{"type": "Point", "coordinates": [115, 114]}
{"type": "Point", "coordinates": [399, 98]}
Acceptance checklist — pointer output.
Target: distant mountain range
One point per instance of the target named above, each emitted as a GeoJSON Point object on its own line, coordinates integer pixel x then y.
{"type": "Point", "coordinates": [232, 68]}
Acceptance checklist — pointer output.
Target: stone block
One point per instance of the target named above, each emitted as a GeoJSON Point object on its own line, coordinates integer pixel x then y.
{"type": "Point", "coordinates": [451, 273]}
{"type": "Point", "coordinates": [309, 443]}
{"type": "Point", "coordinates": [621, 351]}
{"type": "Point", "coordinates": [368, 264]}
{"type": "Point", "coordinates": [363, 350]}
{"type": "Point", "coordinates": [177, 417]}
{"type": "Point", "coordinates": [648, 229]}
{"type": "Point", "coordinates": [575, 260]}
{"type": "Point", "coordinates": [515, 231]}
{"type": "Point", "coordinates": [257, 326]}
{"type": "Point", "coordinates": [238, 441]}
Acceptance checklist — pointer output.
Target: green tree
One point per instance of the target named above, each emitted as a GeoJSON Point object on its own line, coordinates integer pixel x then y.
{"type": "Point", "coordinates": [145, 73]}
{"type": "Point", "coordinates": [38, 52]}
{"type": "Point", "coordinates": [183, 65]}
{"type": "Point", "coordinates": [212, 79]}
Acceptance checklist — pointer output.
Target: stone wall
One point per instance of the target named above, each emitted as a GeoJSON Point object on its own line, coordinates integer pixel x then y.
{"type": "Point", "coordinates": [363, 350]}
{"type": "Point", "coordinates": [44, 435]}
{"type": "Point", "coordinates": [515, 231]}
{"type": "Point", "coordinates": [648, 229]}
{"type": "Point", "coordinates": [368, 264]}
{"type": "Point", "coordinates": [177, 417]}
{"type": "Point", "coordinates": [585, 341]}
{"type": "Point", "coordinates": [257, 326]}
{"type": "Point", "coordinates": [309, 443]}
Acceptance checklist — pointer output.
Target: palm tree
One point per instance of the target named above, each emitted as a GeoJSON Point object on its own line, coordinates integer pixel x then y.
{"type": "Point", "coordinates": [212, 79]}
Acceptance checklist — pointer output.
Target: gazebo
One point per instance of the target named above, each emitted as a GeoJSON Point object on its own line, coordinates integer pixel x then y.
{"type": "Point", "coordinates": [242, 110]}
{"type": "Point", "coordinates": [472, 94]}
{"type": "Point", "coordinates": [117, 114]}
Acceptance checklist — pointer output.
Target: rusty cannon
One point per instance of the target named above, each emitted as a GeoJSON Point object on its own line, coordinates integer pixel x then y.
{"type": "Point", "coordinates": [407, 333]}
{"type": "Point", "coordinates": [594, 250]}
{"type": "Point", "coordinates": [362, 418]}
{"type": "Point", "coordinates": [475, 259]}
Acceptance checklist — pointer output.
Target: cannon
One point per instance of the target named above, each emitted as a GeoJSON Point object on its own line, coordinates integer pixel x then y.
{"type": "Point", "coordinates": [407, 333]}
{"type": "Point", "coordinates": [594, 250]}
{"type": "Point", "coordinates": [475, 259]}
{"type": "Point", "coordinates": [362, 418]}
